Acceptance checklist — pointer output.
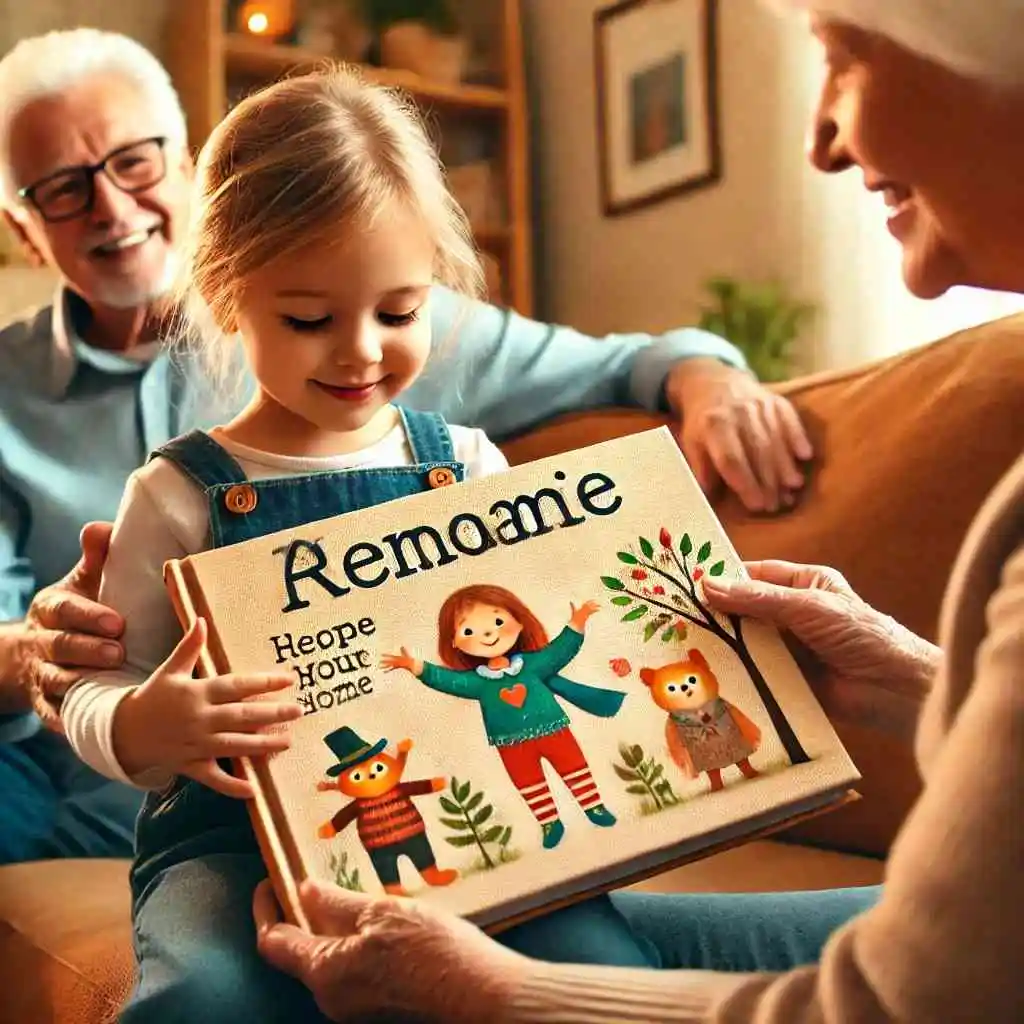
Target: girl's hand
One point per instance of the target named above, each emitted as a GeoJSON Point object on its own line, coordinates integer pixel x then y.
{"type": "Point", "coordinates": [866, 668]}
{"type": "Point", "coordinates": [578, 619]}
{"type": "Point", "coordinates": [371, 956]}
{"type": "Point", "coordinates": [181, 725]}
{"type": "Point", "coordinates": [404, 660]}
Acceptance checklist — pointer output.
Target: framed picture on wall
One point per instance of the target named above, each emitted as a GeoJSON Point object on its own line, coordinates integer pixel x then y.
{"type": "Point", "coordinates": [657, 100]}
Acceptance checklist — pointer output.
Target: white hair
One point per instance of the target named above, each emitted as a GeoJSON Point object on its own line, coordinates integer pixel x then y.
{"type": "Point", "coordinates": [978, 40]}
{"type": "Point", "coordinates": [50, 64]}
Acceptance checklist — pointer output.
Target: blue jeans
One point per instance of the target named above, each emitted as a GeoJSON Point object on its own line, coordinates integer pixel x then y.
{"type": "Point", "coordinates": [52, 805]}
{"type": "Point", "coordinates": [196, 940]}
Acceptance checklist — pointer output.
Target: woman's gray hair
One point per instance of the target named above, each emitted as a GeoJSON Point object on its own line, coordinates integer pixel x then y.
{"type": "Point", "coordinates": [976, 39]}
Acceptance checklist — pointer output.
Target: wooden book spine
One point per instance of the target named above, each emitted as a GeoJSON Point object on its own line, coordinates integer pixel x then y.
{"type": "Point", "coordinates": [280, 854]}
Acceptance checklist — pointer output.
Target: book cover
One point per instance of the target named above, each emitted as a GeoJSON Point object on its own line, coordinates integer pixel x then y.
{"type": "Point", "coordinates": [513, 692]}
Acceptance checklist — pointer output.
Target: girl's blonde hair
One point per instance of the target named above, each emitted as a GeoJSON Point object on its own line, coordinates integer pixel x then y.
{"type": "Point", "coordinates": [293, 164]}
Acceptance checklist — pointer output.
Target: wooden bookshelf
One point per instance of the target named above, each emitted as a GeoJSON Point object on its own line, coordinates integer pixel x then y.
{"type": "Point", "coordinates": [204, 57]}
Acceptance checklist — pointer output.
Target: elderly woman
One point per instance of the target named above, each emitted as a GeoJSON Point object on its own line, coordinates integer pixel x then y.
{"type": "Point", "coordinates": [926, 98]}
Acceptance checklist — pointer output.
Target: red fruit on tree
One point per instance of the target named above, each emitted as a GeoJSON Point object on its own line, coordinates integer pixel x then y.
{"type": "Point", "coordinates": [639, 574]}
{"type": "Point", "coordinates": [620, 666]}
{"type": "Point", "coordinates": [697, 573]}
{"type": "Point", "coordinates": [665, 537]}
{"type": "Point", "coordinates": [659, 589]}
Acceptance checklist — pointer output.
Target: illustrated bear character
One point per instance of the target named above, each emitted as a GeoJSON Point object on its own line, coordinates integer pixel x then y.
{"type": "Point", "coordinates": [705, 733]}
{"type": "Point", "coordinates": [388, 824]}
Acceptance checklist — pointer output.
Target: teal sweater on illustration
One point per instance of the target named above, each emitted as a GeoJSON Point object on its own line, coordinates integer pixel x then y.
{"type": "Point", "coordinates": [519, 702]}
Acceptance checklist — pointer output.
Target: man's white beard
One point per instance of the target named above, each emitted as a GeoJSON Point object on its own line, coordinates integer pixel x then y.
{"type": "Point", "coordinates": [130, 295]}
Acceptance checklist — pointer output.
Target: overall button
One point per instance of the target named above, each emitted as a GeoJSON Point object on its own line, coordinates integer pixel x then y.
{"type": "Point", "coordinates": [241, 498]}
{"type": "Point", "coordinates": [440, 477]}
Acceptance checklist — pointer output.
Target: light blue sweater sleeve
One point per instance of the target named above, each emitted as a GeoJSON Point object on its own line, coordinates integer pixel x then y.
{"type": "Point", "coordinates": [494, 369]}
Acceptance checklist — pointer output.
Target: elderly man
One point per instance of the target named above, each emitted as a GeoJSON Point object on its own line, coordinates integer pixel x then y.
{"type": "Point", "coordinates": [94, 179]}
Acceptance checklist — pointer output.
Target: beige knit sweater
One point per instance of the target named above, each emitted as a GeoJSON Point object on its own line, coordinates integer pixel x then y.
{"type": "Point", "coordinates": [942, 944]}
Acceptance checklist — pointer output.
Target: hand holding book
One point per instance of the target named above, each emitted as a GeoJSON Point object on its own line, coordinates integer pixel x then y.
{"type": "Point", "coordinates": [176, 724]}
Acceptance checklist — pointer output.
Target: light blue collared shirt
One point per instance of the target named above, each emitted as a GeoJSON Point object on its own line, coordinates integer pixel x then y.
{"type": "Point", "coordinates": [75, 421]}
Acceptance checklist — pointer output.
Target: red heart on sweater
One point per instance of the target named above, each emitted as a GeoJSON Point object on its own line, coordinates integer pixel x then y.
{"type": "Point", "coordinates": [514, 695]}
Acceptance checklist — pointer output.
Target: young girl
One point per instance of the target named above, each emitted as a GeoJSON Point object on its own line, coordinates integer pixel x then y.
{"type": "Point", "coordinates": [321, 220]}
{"type": "Point", "coordinates": [497, 652]}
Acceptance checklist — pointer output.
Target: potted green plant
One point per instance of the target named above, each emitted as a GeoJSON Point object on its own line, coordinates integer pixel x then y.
{"type": "Point", "coordinates": [423, 36]}
{"type": "Point", "coordinates": [759, 319]}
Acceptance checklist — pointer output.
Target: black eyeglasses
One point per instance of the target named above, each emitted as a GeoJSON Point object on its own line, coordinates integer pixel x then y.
{"type": "Point", "coordinates": [70, 193]}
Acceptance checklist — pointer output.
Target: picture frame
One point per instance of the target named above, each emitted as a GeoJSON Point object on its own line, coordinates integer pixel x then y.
{"type": "Point", "coordinates": [656, 77]}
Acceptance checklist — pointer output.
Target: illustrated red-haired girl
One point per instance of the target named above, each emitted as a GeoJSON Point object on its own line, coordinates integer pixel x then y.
{"type": "Point", "coordinates": [494, 650]}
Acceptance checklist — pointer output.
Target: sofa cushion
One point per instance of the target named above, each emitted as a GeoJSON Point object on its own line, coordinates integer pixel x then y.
{"type": "Point", "coordinates": [906, 451]}
{"type": "Point", "coordinates": [65, 936]}
{"type": "Point", "coordinates": [65, 941]}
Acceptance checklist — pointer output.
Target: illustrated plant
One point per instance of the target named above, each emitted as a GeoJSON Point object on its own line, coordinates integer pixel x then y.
{"type": "Point", "coordinates": [469, 818]}
{"type": "Point", "coordinates": [759, 319]}
{"type": "Point", "coordinates": [342, 876]}
{"type": "Point", "coordinates": [679, 569]}
{"type": "Point", "coordinates": [645, 777]}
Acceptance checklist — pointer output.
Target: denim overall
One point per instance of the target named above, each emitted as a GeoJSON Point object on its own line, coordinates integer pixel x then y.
{"type": "Point", "coordinates": [197, 861]}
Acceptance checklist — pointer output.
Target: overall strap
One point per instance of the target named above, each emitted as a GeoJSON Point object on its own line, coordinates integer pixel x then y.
{"type": "Point", "coordinates": [428, 436]}
{"type": "Point", "coordinates": [202, 459]}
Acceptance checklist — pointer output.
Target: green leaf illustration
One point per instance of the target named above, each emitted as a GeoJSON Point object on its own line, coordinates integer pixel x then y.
{"type": "Point", "coordinates": [626, 753]}
{"type": "Point", "coordinates": [626, 774]}
{"type": "Point", "coordinates": [456, 823]}
{"type": "Point", "coordinates": [625, 556]}
{"type": "Point", "coordinates": [506, 835]}
{"type": "Point", "coordinates": [355, 879]}
{"type": "Point", "coordinates": [483, 815]}
{"type": "Point", "coordinates": [622, 600]}
{"type": "Point", "coordinates": [650, 629]}
{"type": "Point", "coordinates": [668, 634]}
{"type": "Point", "coordinates": [450, 806]}
{"type": "Point", "coordinates": [638, 753]}
{"type": "Point", "coordinates": [646, 547]}
{"type": "Point", "coordinates": [463, 792]}
{"type": "Point", "coordinates": [637, 613]}
{"type": "Point", "coordinates": [492, 834]}
{"type": "Point", "coordinates": [454, 787]}
{"type": "Point", "coordinates": [656, 772]}
{"type": "Point", "coordinates": [717, 569]}
{"type": "Point", "coordinates": [638, 788]}
{"type": "Point", "coordinates": [460, 840]}
{"type": "Point", "coordinates": [613, 583]}
{"type": "Point", "coordinates": [474, 801]}
{"type": "Point", "coordinates": [705, 550]}
{"type": "Point", "coordinates": [685, 545]}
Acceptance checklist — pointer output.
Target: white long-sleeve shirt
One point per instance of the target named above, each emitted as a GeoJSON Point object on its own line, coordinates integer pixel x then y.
{"type": "Point", "coordinates": [164, 515]}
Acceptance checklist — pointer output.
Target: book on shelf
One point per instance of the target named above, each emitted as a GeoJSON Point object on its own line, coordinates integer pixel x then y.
{"type": "Point", "coordinates": [514, 691]}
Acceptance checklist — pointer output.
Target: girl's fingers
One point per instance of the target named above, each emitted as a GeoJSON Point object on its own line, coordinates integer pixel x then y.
{"type": "Point", "coordinates": [229, 688]}
{"type": "Point", "coordinates": [245, 744]}
{"type": "Point", "coordinates": [248, 716]}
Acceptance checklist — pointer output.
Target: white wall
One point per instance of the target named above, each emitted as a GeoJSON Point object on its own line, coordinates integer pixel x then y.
{"type": "Point", "coordinates": [772, 217]}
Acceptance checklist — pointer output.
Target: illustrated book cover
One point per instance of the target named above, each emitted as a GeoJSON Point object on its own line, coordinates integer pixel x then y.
{"type": "Point", "coordinates": [513, 691]}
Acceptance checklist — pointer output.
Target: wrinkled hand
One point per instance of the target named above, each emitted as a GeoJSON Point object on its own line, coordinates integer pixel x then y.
{"type": "Point", "coordinates": [736, 430]}
{"type": "Point", "coordinates": [370, 955]}
{"type": "Point", "coordinates": [865, 667]}
{"type": "Point", "coordinates": [67, 632]}
{"type": "Point", "coordinates": [180, 725]}
{"type": "Point", "coordinates": [579, 616]}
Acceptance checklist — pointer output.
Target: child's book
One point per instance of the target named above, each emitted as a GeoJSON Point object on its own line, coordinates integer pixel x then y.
{"type": "Point", "coordinates": [514, 692]}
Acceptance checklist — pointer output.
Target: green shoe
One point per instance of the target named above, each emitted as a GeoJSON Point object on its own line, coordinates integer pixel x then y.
{"type": "Point", "coordinates": [553, 832]}
{"type": "Point", "coordinates": [600, 815]}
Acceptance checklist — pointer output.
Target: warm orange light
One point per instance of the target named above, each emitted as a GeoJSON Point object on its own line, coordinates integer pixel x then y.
{"type": "Point", "coordinates": [258, 23]}
{"type": "Point", "coordinates": [271, 19]}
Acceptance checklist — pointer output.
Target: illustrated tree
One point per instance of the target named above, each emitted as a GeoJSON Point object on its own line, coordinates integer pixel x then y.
{"type": "Point", "coordinates": [660, 590]}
